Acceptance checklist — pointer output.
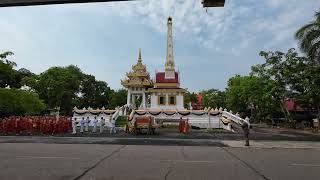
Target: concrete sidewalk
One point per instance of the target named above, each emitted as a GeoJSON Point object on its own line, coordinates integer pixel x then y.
{"type": "Point", "coordinates": [275, 144]}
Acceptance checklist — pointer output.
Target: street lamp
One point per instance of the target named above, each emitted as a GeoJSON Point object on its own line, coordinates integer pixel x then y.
{"type": "Point", "coordinates": [213, 3]}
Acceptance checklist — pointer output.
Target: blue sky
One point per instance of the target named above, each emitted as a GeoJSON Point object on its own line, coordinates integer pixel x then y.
{"type": "Point", "coordinates": [103, 38]}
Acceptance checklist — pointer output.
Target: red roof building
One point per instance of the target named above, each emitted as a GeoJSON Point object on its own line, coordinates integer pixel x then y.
{"type": "Point", "coordinates": [160, 78]}
{"type": "Point", "coordinates": [292, 105]}
{"type": "Point", "coordinates": [164, 91]}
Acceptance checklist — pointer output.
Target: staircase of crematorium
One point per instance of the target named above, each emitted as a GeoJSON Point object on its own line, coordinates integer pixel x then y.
{"type": "Point", "coordinates": [232, 121]}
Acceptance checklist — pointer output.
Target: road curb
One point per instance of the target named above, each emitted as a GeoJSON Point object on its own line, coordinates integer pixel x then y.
{"type": "Point", "coordinates": [108, 140]}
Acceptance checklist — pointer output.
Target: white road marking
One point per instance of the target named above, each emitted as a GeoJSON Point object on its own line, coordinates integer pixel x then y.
{"type": "Point", "coordinates": [306, 165]}
{"type": "Point", "coordinates": [44, 157]}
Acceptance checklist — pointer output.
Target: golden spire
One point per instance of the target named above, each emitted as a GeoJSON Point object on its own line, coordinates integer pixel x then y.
{"type": "Point", "coordinates": [138, 76]}
{"type": "Point", "coordinates": [139, 58]}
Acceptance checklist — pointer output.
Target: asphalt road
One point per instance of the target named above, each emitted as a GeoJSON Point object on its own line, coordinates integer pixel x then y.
{"type": "Point", "coordinates": [96, 161]}
{"type": "Point", "coordinates": [173, 133]}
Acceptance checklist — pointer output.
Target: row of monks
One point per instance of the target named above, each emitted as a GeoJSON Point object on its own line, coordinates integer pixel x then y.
{"type": "Point", "coordinates": [30, 125]}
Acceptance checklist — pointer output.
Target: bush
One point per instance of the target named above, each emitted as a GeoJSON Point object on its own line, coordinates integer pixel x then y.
{"type": "Point", "coordinates": [19, 102]}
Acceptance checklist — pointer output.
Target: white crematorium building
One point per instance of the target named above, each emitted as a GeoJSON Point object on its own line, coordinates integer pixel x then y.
{"type": "Point", "coordinates": [161, 93]}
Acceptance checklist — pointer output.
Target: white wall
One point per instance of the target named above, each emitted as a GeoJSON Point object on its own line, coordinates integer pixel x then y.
{"type": "Point", "coordinates": [179, 103]}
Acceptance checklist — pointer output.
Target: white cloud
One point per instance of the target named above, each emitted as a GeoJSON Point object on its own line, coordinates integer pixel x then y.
{"type": "Point", "coordinates": [241, 20]}
{"type": "Point", "coordinates": [189, 17]}
{"type": "Point", "coordinates": [228, 38]}
{"type": "Point", "coordinates": [282, 25]}
{"type": "Point", "coordinates": [275, 3]}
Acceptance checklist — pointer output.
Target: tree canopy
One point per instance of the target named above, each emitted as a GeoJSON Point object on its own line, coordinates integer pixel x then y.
{"type": "Point", "coordinates": [19, 102]}
{"type": "Point", "coordinates": [308, 37]}
{"type": "Point", "coordinates": [251, 95]}
{"type": "Point", "coordinates": [188, 98]}
{"type": "Point", "coordinates": [213, 98]}
{"type": "Point", "coordinates": [94, 93]}
{"type": "Point", "coordinates": [9, 77]}
{"type": "Point", "coordinates": [118, 98]}
{"type": "Point", "coordinates": [58, 87]}
{"type": "Point", "coordinates": [66, 87]}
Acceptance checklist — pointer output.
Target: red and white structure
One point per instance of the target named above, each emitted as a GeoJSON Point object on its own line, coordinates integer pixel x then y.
{"type": "Point", "coordinates": [166, 93]}
{"type": "Point", "coordinates": [161, 93]}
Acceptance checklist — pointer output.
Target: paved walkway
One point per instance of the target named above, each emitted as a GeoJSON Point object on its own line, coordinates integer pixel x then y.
{"type": "Point", "coordinates": [275, 144]}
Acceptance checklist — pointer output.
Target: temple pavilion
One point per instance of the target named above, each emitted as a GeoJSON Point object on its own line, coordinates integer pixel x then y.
{"type": "Point", "coordinates": [162, 93]}
{"type": "Point", "coordinates": [137, 83]}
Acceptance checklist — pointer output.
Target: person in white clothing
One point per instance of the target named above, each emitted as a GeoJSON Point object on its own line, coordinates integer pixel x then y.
{"type": "Point", "coordinates": [95, 122]}
{"type": "Point", "coordinates": [101, 124]}
{"type": "Point", "coordinates": [74, 126]}
{"type": "Point", "coordinates": [113, 126]}
{"type": "Point", "coordinates": [82, 122]}
{"type": "Point", "coordinates": [87, 124]}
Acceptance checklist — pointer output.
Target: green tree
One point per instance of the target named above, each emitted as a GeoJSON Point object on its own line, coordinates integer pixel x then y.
{"type": "Point", "coordinates": [94, 93]}
{"type": "Point", "coordinates": [305, 84]}
{"type": "Point", "coordinates": [19, 76]}
{"type": "Point", "coordinates": [7, 73]}
{"type": "Point", "coordinates": [4, 56]}
{"type": "Point", "coordinates": [251, 95]}
{"type": "Point", "coordinates": [87, 87]}
{"type": "Point", "coordinates": [9, 77]}
{"type": "Point", "coordinates": [276, 69]}
{"type": "Point", "coordinates": [309, 38]}
{"type": "Point", "coordinates": [102, 94]}
{"type": "Point", "coordinates": [188, 98]}
{"type": "Point", "coordinates": [292, 76]}
{"type": "Point", "coordinates": [19, 102]}
{"type": "Point", "coordinates": [234, 95]}
{"type": "Point", "coordinates": [118, 98]}
{"type": "Point", "coordinates": [58, 87]}
{"type": "Point", "coordinates": [308, 82]}
{"type": "Point", "coordinates": [213, 98]}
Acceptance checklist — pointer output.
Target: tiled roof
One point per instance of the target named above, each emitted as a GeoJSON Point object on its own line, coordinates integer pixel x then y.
{"type": "Point", "coordinates": [160, 78]}
{"type": "Point", "coordinates": [292, 105]}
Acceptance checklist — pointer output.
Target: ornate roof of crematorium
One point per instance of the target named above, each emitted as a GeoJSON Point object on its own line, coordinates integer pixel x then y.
{"type": "Point", "coordinates": [138, 76]}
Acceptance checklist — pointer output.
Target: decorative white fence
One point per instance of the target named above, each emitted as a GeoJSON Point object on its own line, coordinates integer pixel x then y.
{"type": "Point", "coordinates": [199, 118]}
{"type": "Point", "coordinates": [208, 118]}
{"type": "Point", "coordinates": [214, 118]}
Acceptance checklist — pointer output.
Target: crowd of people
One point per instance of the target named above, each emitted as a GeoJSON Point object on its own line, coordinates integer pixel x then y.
{"type": "Point", "coordinates": [30, 125]}
{"type": "Point", "coordinates": [51, 125]}
{"type": "Point", "coordinates": [84, 124]}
